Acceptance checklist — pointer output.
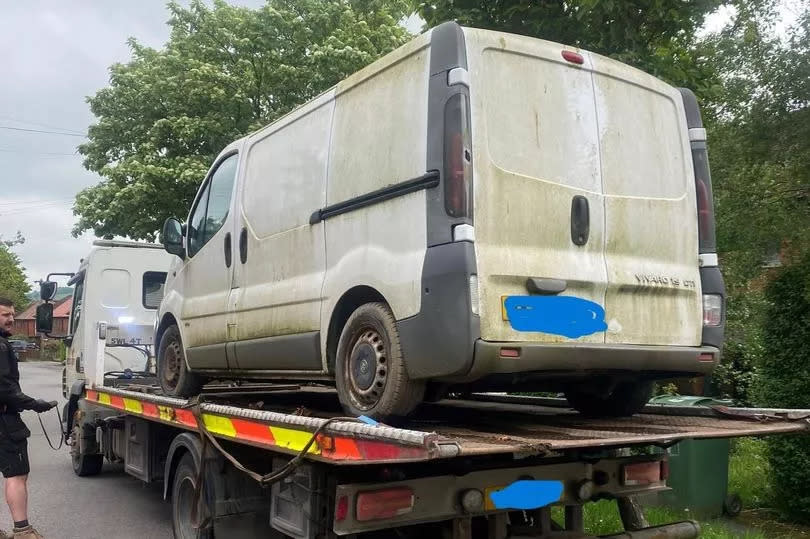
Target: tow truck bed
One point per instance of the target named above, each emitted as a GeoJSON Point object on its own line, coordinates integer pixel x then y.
{"type": "Point", "coordinates": [447, 470]}
{"type": "Point", "coordinates": [485, 425]}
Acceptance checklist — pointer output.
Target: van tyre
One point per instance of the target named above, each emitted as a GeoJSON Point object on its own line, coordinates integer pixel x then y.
{"type": "Point", "coordinates": [625, 399]}
{"type": "Point", "coordinates": [175, 378]}
{"type": "Point", "coordinates": [370, 372]}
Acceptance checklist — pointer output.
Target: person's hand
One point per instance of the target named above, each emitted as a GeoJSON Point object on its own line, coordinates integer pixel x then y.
{"type": "Point", "coordinates": [41, 405]}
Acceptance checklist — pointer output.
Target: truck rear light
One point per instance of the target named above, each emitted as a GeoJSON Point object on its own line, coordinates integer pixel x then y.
{"type": "Point", "coordinates": [457, 158]}
{"type": "Point", "coordinates": [382, 504]}
{"type": "Point", "coordinates": [643, 473]}
{"type": "Point", "coordinates": [712, 310]}
{"type": "Point", "coordinates": [342, 509]}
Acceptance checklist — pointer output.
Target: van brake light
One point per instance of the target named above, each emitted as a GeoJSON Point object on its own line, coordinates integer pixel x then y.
{"type": "Point", "coordinates": [573, 57]}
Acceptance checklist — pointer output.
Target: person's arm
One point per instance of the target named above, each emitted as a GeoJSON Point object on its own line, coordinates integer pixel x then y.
{"type": "Point", "coordinates": [10, 394]}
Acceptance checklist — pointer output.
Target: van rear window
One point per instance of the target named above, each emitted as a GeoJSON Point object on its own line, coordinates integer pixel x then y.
{"type": "Point", "coordinates": [153, 282]}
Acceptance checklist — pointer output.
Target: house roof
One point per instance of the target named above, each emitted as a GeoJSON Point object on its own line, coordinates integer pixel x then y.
{"type": "Point", "coordinates": [61, 309]}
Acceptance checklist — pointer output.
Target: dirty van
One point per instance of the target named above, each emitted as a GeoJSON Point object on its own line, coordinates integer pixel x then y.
{"type": "Point", "coordinates": [475, 211]}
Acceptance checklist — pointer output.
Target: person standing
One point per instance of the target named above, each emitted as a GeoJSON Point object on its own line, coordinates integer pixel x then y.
{"type": "Point", "coordinates": [13, 432]}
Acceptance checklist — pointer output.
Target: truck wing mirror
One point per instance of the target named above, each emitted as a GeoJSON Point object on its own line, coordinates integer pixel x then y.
{"type": "Point", "coordinates": [45, 318]}
{"type": "Point", "coordinates": [47, 290]}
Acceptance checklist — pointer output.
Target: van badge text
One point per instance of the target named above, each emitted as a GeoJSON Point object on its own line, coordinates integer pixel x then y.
{"type": "Point", "coordinates": [661, 280]}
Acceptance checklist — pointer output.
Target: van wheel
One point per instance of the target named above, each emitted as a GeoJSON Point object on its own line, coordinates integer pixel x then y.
{"type": "Point", "coordinates": [175, 378]}
{"type": "Point", "coordinates": [626, 398]}
{"type": "Point", "coordinates": [370, 371]}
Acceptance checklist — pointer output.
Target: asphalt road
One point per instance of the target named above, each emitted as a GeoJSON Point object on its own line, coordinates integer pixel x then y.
{"type": "Point", "coordinates": [64, 506]}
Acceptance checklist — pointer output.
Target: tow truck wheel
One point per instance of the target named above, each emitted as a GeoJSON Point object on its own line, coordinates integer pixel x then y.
{"type": "Point", "coordinates": [370, 371]}
{"type": "Point", "coordinates": [624, 399]}
{"type": "Point", "coordinates": [83, 465]}
{"type": "Point", "coordinates": [183, 499]}
{"type": "Point", "coordinates": [175, 378]}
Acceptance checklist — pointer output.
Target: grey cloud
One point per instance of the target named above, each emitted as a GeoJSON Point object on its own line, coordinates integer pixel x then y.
{"type": "Point", "coordinates": [54, 55]}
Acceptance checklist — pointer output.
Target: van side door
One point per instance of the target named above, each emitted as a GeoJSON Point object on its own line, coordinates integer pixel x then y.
{"type": "Point", "coordinates": [279, 261]}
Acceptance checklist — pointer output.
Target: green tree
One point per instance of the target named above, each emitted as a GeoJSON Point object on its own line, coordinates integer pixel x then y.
{"type": "Point", "coordinates": [759, 146]}
{"type": "Point", "coordinates": [785, 383]}
{"type": "Point", "coordinates": [12, 278]}
{"type": "Point", "coordinates": [18, 240]}
{"type": "Point", "coordinates": [657, 36]}
{"type": "Point", "coordinates": [224, 72]}
{"type": "Point", "coordinates": [760, 142]}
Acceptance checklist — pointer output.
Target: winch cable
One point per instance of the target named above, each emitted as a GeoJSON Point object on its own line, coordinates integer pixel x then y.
{"type": "Point", "coordinates": [45, 432]}
{"type": "Point", "coordinates": [265, 480]}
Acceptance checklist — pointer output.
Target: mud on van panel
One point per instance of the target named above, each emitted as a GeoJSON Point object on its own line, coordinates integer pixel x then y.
{"type": "Point", "coordinates": [473, 211]}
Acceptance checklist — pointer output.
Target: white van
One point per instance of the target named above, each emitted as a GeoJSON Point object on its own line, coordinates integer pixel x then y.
{"type": "Point", "coordinates": [476, 210]}
{"type": "Point", "coordinates": [119, 283]}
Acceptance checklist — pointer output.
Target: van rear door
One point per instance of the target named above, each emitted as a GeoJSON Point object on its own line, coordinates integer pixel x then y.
{"type": "Point", "coordinates": [651, 236]}
{"type": "Point", "coordinates": [536, 175]}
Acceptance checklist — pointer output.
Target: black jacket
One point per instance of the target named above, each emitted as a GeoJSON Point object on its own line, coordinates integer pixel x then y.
{"type": "Point", "coordinates": [11, 396]}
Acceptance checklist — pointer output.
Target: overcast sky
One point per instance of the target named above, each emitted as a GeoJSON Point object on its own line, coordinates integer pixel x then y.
{"type": "Point", "coordinates": [55, 53]}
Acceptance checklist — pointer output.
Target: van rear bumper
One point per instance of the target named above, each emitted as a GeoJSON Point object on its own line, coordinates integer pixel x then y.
{"type": "Point", "coordinates": [573, 359]}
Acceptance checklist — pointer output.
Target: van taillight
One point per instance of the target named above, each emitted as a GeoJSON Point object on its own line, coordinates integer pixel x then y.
{"type": "Point", "coordinates": [704, 208]}
{"type": "Point", "coordinates": [457, 158]}
{"type": "Point", "coordinates": [705, 204]}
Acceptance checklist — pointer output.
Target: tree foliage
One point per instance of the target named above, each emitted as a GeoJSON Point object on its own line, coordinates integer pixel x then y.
{"type": "Point", "coordinates": [760, 142]}
{"type": "Point", "coordinates": [12, 278]}
{"type": "Point", "coordinates": [759, 148]}
{"type": "Point", "coordinates": [224, 72]}
{"type": "Point", "coordinates": [657, 36]}
{"type": "Point", "coordinates": [785, 383]}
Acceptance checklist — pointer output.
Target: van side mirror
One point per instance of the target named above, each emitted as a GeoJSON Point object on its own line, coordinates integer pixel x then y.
{"type": "Point", "coordinates": [172, 237]}
{"type": "Point", "coordinates": [47, 290]}
{"type": "Point", "coordinates": [45, 318]}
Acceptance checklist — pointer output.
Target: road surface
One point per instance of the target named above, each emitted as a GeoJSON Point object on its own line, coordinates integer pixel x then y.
{"type": "Point", "coordinates": [63, 506]}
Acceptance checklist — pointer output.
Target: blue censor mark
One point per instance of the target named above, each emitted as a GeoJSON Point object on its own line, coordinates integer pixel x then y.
{"type": "Point", "coordinates": [568, 316]}
{"type": "Point", "coordinates": [527, 494]}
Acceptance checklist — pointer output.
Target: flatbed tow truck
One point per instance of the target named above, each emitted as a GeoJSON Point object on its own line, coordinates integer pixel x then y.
{"type": "Point", "coordinates": [279, 461]}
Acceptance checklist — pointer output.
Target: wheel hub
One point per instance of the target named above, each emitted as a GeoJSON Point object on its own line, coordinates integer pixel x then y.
{"type": "Point", "coordinates": [368, 368]}
{"type": "Point", "coordinates": [171, 367]}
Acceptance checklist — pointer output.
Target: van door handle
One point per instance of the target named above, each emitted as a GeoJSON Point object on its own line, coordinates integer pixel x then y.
{"type": "Point", "coordinates": [243, 245]}
{"type": "Point", "coordinates": [228, 250]}
{"type": "Point", "coordinates": [580, 220]}
{"type": "Point", "coordinates": [545, 287]}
